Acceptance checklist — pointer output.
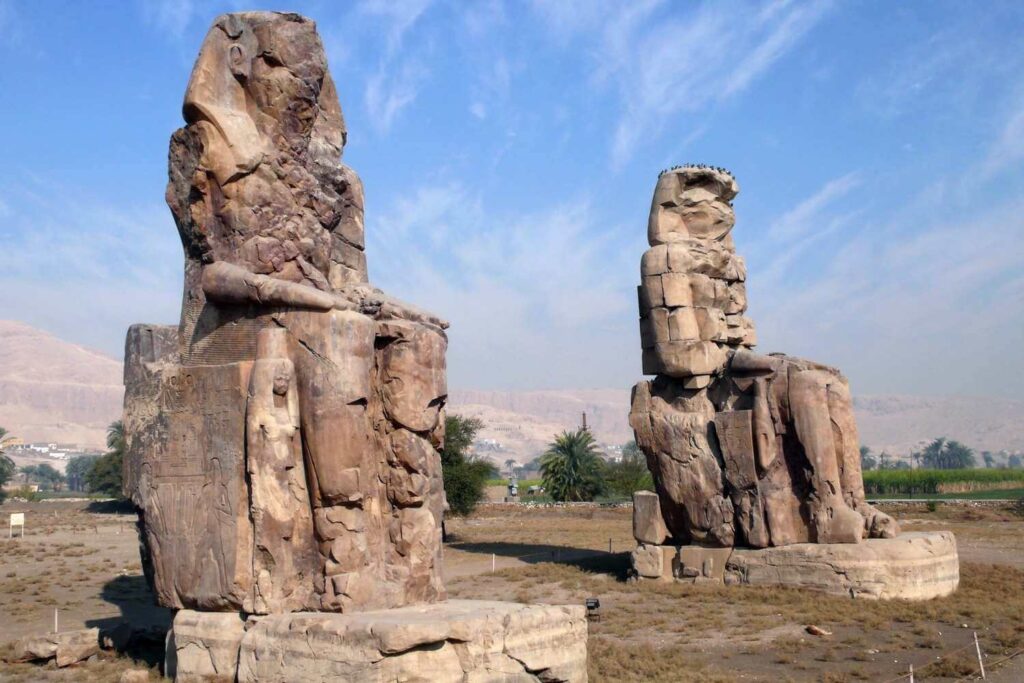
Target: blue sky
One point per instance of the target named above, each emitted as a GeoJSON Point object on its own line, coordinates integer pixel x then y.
{"type": "Point", "coordinates": [509, 151]}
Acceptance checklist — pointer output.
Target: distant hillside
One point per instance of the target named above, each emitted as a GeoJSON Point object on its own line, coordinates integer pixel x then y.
{"type": "Point", "coordinates": [524, 422]}
{"type": "Point", "coordinates": [52, 390]}
{"type": "Point", "coordinates": [899, 424]}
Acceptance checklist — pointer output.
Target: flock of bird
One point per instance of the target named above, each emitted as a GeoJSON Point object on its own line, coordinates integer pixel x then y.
{"type": "Point", "coordinates": [699, 166]}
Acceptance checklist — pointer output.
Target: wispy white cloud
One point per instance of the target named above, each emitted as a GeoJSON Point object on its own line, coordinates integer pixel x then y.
{"type": "Point", "coordinates": [780, 27]}
{"type": "Point", "coordinates": [547, 290]}
{"type": "Point", "coordinates": [664, 61]}
{"type": "Point", "coordinates": [170, 16]}
{"type": "Point", "coordinates": [85, 269]}
{"type": "Point", "coordinates": [1008, 148]}
{"type": "Point", "coordinates": [399, 16]}
{"type": "Point", "coordinates": [397, 80]}
{"type": "Point", "coordinates": [923, 300]}
{"type": "Point", "coordinates": [805, 217]}
{"type": "Point", "coordinates": [483, 17]}
{"type": "Point", "coordinates": [390, 90]}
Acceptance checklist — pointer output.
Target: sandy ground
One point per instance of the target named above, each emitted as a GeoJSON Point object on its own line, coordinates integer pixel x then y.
{"type": "Point", "coordinates": [85, 564]}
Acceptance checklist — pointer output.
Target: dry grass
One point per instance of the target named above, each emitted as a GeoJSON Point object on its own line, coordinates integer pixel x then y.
{"type": "Point", "coordinates": [650, 631]}
{"type": "Point", "coordinates": [105, 668]}
{"type": "Point", "coordinates": [668, 631]}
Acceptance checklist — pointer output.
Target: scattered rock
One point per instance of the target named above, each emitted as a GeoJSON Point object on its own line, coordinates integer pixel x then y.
{"type": "Point", "coordinates": [68, 647]}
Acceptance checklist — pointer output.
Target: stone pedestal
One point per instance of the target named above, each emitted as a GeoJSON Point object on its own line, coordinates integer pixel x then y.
{"type": "Point", "coordinates": [457, 640]}
{"type": "Point", "coordinates": [912, 566]}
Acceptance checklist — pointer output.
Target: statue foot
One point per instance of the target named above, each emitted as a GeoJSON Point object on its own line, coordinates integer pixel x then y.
{"type": "Point", "coordinates": [840, 524]}
{"type": "Point", "coordinates": [878, 524]}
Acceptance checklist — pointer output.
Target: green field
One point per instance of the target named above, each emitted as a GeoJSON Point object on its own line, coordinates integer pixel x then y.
{"type": "Point", "coordinates": [974, 483]}
{"type": "Point", "coordinates": [991, 494]}
{"type": "Point", "coordinates": [523, 483]}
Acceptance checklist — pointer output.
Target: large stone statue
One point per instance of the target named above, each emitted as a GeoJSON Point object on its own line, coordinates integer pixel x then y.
{"type": "Point", "coordinates": [282, 440]}
{"type": "Point", "coordinates": [746, 450]}
{"type": "Point", "coordinates": [282, 444]}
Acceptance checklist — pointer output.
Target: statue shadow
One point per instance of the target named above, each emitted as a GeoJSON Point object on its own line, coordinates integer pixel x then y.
{"type": "Point", "coordinates": [109, 507]}
{"type": "Point", "coordinates": [592, 561]}
{"type": "Point", "coordinates": [140, 630]}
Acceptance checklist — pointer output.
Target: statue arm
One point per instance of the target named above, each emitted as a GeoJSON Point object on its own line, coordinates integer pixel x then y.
{"type": "Point", "coordinates": [227, 283]}
{"type": "Point", "coordinates": [375, 303]}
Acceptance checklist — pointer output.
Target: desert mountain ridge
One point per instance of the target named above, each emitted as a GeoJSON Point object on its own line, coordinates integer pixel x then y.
{"type": "Point", "coordinates": [54, 390]}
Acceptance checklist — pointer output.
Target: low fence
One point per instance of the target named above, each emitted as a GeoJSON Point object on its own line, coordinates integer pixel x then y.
{"type": "Point", "coordinates": [979, 671]}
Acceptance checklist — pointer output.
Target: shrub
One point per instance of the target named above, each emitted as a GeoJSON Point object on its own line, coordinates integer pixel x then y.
{"type": "Point", "coordinates": [465, 476]}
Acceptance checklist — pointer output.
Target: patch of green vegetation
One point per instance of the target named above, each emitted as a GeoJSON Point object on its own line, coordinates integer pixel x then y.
{"type": "Point", "coordinates": [523, 483]}
{"type": "Point", "coordinates": [991, 494]}
{"type": "Point", "coordinates": [900, 483]}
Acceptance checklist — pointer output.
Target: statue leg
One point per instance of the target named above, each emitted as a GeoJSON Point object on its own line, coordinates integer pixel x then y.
{"type": "Point", "coordinates": [832, 519]}
{"type": "Point", "coordinates": [847, 447]}
{"type": "Point", "coordinates": [334, 359]}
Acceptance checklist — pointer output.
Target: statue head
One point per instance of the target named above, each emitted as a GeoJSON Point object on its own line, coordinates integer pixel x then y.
{"type": "Point", "coordinates": [259, 87]}
{"type": "Point", "coordinates": [256, 178]}
{"type": "Point", "coordinates": [692, 295]}
{"type": "Point", "coordinates": [692, 202]}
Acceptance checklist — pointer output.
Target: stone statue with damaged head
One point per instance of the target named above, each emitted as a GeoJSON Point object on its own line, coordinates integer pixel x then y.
{"type": "Point", "coordinates": [746, 450]}
{"type": "Point", "coordinates": [282, 440]}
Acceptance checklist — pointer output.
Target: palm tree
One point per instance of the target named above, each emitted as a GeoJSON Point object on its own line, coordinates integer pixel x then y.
{"type": "Point", "coordinates": [115, 437]}
{"type": "Point", "coordinates": [571, 468]}
{"type": "Point", "coordinates": [105, 474]}
{"type": "Point", "coordinates": [7, 466]}
{"type": "Point", "coordinates": [510, 465]}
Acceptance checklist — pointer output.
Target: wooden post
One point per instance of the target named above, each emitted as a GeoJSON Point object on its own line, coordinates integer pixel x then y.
{"type": "Point", "coordinates": [977, 648]}
{"type": "Point", "coordinates": [911, 673]}
{"type": "Point", "coordinates": [56, 626]}
{"type": "Point", "coordinates": [493, 561]}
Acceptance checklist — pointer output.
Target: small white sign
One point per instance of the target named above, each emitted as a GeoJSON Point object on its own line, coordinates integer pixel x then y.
{"type": "Point", "coordinates": [17, 519]}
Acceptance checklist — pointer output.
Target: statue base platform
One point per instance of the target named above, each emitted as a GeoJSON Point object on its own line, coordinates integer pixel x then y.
{"type": "Point", "coordinates": [456, 640]}
{"type": "Point", "coordinates": [912, 566]}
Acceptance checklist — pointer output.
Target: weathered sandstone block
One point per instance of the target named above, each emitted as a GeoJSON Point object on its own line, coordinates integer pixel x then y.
{"type": "Point", "coordinates": [912, 566]}
{"type": "Point", "coordinates": [648, 524]}
{"type": "Point", "coordinates": [203, 645]}
{"type": "Point", "coordinates": [649, 561]}
{"type": "Point", "coordinates": [457, 640]}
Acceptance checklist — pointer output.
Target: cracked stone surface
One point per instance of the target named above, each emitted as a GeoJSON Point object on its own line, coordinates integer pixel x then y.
{"type": "Point", "coordinates": [458, 640]}
{"type": "Point", "coordinates": [912, 566]}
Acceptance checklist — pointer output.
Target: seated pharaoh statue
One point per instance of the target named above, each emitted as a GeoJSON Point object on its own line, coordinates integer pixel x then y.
{"type": "Point", "coordinates": [282, 440]}
{"type": "Point", "coordinates": [746, 450]}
